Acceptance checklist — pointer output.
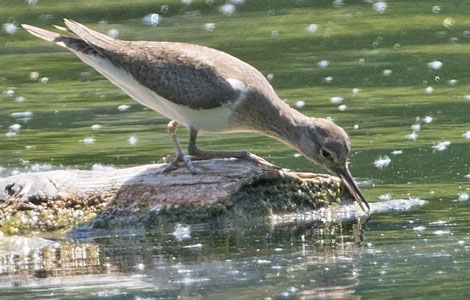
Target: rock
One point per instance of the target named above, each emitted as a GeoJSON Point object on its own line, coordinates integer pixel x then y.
{"type": "Point", "coordinates": [221, 191]}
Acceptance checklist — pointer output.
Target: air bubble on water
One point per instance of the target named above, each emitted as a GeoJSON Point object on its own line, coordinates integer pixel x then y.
{"type": "Point", "coordinates": [427, 119]}
{"type": "Point", "coordinates": [385, 197]}
{"type": "Point", "coordinates": [467, 176]}
{"type": "Point", "coordinates": [88, 140]}
{"type": "Point", "coordinates": [453, 82]}
{"type": "Point", "coordinates": [140, 267]}
{"type": "Point", "coordinates": [387, 72]}
{"type": "Point", "coordinates": [441, 146]}
{"type": "Point", "coordinates": [429, 90]}
{"type": "Point", "coordinates": [23, 116]}
{"type": "Point", "coordinates": [44, 80]}
{"type": "Point", "coordinates": [10, 134]}
{"type": "Point", "coordinates": [227, 9]}
{"type": "Point", "coordinates": [133, 140]}
{"type": "Point", "coordinates": [380, 6]}
{"type": "Point", "coordinates": [338, 3]}
{"type": "Point", "coordinates": [152, 19]}
{"type": "Point", "coordinates": [209, 27]}
{"type": "Point", "coordinates": [467, 97]}
{"type": "Point", "coordinates": [15, 127]}
{"type": "Point", "coordinates": [34, 75]}
{"type": "Point", "coordinates": [10, 28]}
{"type": "Point", "coordinates": [123, 107]}
{"type": "Point", "coordinates": [114, 33]}
{"type": "Point", "coordinates": [356, 91]}
{"type": "Point", "coordinates": [336, 100]}
{"type": "Point", "coordinates": [19, 99]}
{"type": "Point", "coordinates": [300, 104]}
{"type": "Point", "coordinates": [412, 136]}
{"type": "Point", "coordinates": [442, 232]}
{"type": "Point", "coordinates": [342, 107]}
{"type": "Point", "coordinates": [323, 63]}
{"type": "Point", "coordinates": [312, 28]}
{"type": "Point", "coordinates": [466, 134]}
{"type": "Point", "coordinates": [270, 76]}
{"type": "Point", "coordinates": [448, 22]}
{"type": "Point", "coordinates": [436, 9]}
{"type": "Point", "coordinates": [356, 126]}
{"type": "Point", "coordinates": [328, 79]}
{"type": "Point", "coordinates": [186, 2]}
{"type": "Point", "coordinates": [96, 126]}
{"type": "Point", "coordinates": [164, 8]}
{"type": "Point", "coordinates": [397, 152]}
{"type": "Point", "coordinates": [382, 161]}
{"type": "Point", "coordinates": [181, 232]}
{"type": "Point", "coordinates": [435, 65]}
{"type": "Point", "coordinates": [419, 228]}
{"type": "Point", "coordinates": [10, 92]}
{"type": "Point", "coordinates": [416, 127]}
{"type": "Point", "coordinates": [463, 197]}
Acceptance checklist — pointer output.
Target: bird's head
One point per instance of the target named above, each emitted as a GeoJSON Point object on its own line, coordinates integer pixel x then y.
{"type": "Point", "coordinates": [328, 145]}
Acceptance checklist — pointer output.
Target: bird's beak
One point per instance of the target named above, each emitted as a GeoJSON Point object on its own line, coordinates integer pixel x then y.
{"type": "Point", "coordinates": [352, 187]}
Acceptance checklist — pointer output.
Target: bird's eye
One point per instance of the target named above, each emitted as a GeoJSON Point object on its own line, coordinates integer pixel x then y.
{"type": "Point", "coordinates": [326, 154]}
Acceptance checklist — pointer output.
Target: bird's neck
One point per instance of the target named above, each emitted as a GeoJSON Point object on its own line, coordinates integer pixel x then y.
{"type": "Point", "coordinates": [280, 121]}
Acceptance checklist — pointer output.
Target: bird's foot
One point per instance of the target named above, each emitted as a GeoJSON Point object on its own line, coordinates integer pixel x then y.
{"type": "Point", "coordinates": [181, 157]}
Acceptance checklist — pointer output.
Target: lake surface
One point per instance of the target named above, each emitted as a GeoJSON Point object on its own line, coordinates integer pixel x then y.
{"type": "Point", "coordinates": [395, 75]}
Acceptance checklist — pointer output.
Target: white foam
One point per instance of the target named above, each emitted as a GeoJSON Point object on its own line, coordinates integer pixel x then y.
{"type": "Point", "coordinates": [323, 63]}
{"type": "Point", "coordinates": [300, 104]}
{"type": "Point", "coordinates": [382, 161]}
{"type": "Point", "coordinates": [114, 33]}
{"type": "Point", "coordinates": [380, 6]}
{"type": "Point", "coordinates": [336, 100]}
{"type": "Point", "coordinates": [88, 140]}
{"type": "Point", "coordinates": [96, 126]}
{"type": "Point", "coordinates": [227, 9]}
{"type": "Point", "coordinates": [133, 140]}
{"type": "Point", "coordinates": [152, 19]}
{"type": "Point", "coordinates": [312, 28]}
{"type": "Point", "coordinates": [209, 26]}
{"type": "Point", "coordinates": [123, 107]}
{"type": "Point", "coordinates": [387, 72]}
{"type": "Point", "coordinates": [10, 28]}
{"type": "Point", "coordinates": [435, 65]}
{"type": "Point", "coordinates": [427, 119]}
{"type": "Point", "coordinates": [181, 232]}
{"type": "Point", "coordinates": [441, 146]}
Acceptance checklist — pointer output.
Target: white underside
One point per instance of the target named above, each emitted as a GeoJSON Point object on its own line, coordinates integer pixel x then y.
{"type": "Point", "coordinates": [216, 119]}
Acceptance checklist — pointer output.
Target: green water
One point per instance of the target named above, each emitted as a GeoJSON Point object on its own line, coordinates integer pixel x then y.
{"type": "Point", "coordinates": [420, 253]}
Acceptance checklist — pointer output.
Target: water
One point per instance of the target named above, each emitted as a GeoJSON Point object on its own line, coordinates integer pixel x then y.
{"type": "Point", "coordinates": [394, 65]}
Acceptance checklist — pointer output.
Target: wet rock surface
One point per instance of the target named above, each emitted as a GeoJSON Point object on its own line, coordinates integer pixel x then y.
{"type": "Point", "coordinates": [222, 191]}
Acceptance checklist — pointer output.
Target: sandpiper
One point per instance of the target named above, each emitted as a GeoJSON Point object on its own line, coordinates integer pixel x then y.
{"type": "Point", "coordinates": [206, 90]}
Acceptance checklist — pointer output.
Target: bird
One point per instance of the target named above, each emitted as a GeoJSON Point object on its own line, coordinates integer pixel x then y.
{"type": "Point", "coordinates": [206, 90]}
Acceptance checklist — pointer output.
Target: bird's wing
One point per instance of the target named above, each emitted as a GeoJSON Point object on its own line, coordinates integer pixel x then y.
{"type": "Point", "coordinates": [190, 75]}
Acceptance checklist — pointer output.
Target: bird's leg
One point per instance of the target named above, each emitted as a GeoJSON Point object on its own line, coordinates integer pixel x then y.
{"type": "Point", "coordinates": [197, 153]}
{"type": "Point", "coordinates": [180, 156]}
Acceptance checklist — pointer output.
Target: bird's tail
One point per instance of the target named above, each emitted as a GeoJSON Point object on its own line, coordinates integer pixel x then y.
{"type": "Point", "coordinates": [45, 34]}
{"type": "Point", "coordinates": [82, 42]}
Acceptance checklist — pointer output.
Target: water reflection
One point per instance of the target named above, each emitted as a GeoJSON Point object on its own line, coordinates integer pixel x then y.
{"type": "Point", "coordinates": [318, 261]}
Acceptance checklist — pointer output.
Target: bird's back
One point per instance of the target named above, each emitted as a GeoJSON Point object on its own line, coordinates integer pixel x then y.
{"type": "Point", "coordinates": [189, 75]}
